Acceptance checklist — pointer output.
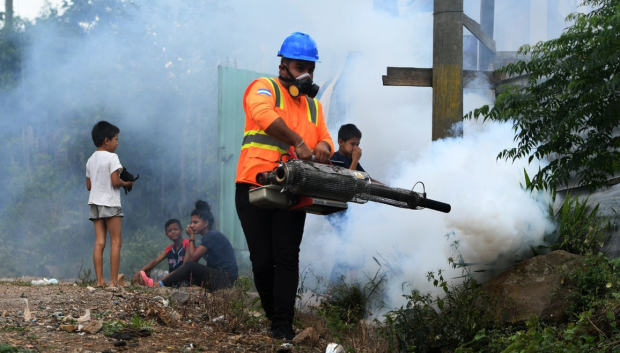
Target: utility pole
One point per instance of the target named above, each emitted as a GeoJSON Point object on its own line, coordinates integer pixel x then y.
{"type": "Point", "coordinates": [487, 22]}
{"type": "Point", "coordinates": [8, 14]}
{"type": "Point", "coordinates": [447, 66]}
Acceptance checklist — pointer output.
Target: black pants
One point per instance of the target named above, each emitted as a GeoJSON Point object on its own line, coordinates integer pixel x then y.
{"type": "Point", "coordinates": [273, 237]}
{"type": "Point", "coordinates": [199, 275]}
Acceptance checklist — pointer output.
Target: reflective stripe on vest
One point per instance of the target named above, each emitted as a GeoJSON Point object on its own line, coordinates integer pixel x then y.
{"type": "Point", "coordinates": [258, 138]}
{"type": "Point", "coordinates": [276, 91]}
{"type": "Point", "coordinates": [313, 107]}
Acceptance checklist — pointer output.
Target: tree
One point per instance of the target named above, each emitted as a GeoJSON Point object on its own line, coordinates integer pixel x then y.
{"type": "Point", "coordinates": [569, 112]}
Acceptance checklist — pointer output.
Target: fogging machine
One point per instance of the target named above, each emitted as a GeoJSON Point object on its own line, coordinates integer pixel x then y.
{"type": "Point", "coordinates": [323, 189]}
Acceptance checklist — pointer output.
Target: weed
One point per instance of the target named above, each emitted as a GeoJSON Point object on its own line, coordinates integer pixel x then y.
{"type": "Point", "coordinates": [581, 229]}
{"type": "Point", "coordinates": [83, 277]}
{"type": "Point", "coordinates": [593, 283]}
{"type": "Point", "coordinates": [430, 323]}
{"type": "Point", "coordinates": [112, 327]}
{"type": "Point", "coordinates": [17, 282]}
{"type": "Point", "coordinates": [242, 305]}
{"type": "Point", "coordinates": [138, 323]}
{"type": "Point", "coordinates": [5, 348]}
{"type": "Point", "coordinates": [12, 328]}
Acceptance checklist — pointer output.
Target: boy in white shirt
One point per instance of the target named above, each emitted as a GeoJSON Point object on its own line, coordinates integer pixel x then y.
{"type": "Point", "coordinates": [104, 183]}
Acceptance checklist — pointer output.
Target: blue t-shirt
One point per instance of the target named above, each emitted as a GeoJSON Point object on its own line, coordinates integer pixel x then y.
{"type": "Point", "coordinates": [346, 161]}
{"type": "Point", "coordinates": [220, 253]}
{"type": "Point", "coordinates": [175, 257]}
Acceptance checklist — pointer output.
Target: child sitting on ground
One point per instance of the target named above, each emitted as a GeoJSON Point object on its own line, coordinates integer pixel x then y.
{"type": "Point", "coordinates": [104, 183]}
{"type": "Point", "coordinates": [221, 270]}
{"type": "Point", "coordinates": [175, 253]}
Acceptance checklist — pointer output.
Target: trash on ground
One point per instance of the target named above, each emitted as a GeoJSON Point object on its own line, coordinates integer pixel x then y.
{"type": "Point", "coordinates": [334, 348]}
{"type": "Point", "coordinates": [44, 281]}
{"type": "Point", "coordinates": [85, 317]}
{"type": "Point", "coordinates": [27, 315]}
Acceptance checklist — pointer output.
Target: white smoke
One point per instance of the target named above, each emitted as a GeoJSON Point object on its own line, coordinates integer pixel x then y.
{"type": "Point", "coordinates": [491, 215]}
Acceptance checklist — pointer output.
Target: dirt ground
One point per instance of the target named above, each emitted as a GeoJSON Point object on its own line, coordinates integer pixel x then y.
{"type": "Point", "coordinates": [183, 320]}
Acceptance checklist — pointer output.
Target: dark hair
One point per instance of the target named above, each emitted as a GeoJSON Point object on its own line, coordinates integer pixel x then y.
{"type": "Point", "coordinates": [173, 221]}
{"type": "Point", "coordinates": [285, 61]}
{"type": "Point", "coordinates": [349, 131]}
{"type": "Point", "coordinates": [103, 130]}
{"type": "Point", "coordinates": [203, 210]}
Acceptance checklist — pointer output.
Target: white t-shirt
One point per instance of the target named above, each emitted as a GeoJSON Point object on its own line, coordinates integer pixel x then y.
{"type": "Point", "coordinates": [99, 169]}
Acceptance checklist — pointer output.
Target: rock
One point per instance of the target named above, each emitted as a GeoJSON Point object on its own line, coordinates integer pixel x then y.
{"type": "Point", "coordinates": [169, 318]}
{"type": "Point", "coordinates": [179, 297]}
{"type": "Point", "coordinates": [533, 287]}
{"type": "Point", "coordinates": [120, 343]}
{"type": "Point", "coordinates": [306, 337]}
{"type": "Point", "coordinates": [68, 328]}
{"type": "Point", "coordinates": [92, 327]}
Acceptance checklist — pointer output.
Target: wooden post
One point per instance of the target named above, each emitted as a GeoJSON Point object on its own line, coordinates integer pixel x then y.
{"type": "Point", "coordinates": [487, 22]}
{"type": "Point", "coordinates": [447, 67]}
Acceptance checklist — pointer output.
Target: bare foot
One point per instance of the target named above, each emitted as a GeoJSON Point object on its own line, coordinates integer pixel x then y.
{"type": "Point", "coordinates": [101, 284]}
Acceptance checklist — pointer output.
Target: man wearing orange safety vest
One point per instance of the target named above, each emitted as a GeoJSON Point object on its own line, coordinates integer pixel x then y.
{"type": "Point", "coordinates": [281, 114]}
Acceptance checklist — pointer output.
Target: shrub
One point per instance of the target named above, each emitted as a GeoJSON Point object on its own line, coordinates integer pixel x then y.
{"type": "Point", "coordinates": [428, 324]}
{"type": "Point", "coordinates": [581, 229]}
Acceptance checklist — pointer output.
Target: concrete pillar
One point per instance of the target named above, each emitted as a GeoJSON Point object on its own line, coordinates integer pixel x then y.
{"type": "Point", "coordinates": [487, 23]}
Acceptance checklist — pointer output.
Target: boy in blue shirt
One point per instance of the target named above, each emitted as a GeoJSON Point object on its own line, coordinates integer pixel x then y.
{"type": "Point", "coordinates": [174, 253]}
{"type": "Point", "coordinates": [349, 151]}
{"type": "Point", "coordinates": [347, 156]}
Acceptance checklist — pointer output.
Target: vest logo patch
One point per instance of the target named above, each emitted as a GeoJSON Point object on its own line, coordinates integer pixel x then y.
{"type": "Point", "coordinates": [264, 91]}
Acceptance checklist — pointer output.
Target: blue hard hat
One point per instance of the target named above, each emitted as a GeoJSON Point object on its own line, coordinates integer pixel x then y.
{"type": "Point", "coordinates": [299, 46]}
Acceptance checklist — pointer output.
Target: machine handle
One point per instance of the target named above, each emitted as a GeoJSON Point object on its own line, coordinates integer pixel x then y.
{"type": "Point", "coordinates": [435, 205]}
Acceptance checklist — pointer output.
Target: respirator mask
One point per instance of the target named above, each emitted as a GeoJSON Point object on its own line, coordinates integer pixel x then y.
{"type": "Point", "coordinates": [301, 85]}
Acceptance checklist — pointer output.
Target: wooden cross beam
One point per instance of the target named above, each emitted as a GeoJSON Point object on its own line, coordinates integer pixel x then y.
{"type": "Point", "coordinates": [447, 77]}
{"type": "Point", "coordinates": [420, 77]}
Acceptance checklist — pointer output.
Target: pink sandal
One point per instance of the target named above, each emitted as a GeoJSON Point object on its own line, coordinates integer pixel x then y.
{"type": "Point", "coordinates": [147, 281]}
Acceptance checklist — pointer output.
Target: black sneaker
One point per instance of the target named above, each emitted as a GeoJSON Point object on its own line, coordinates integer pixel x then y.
{"type": "Point", "coordinates": [282, 332]}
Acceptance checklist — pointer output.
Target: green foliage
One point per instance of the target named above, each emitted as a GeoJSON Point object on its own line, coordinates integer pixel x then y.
{"type": "Point", "coordinates": [598, 280]}
{"type": "Point", "coordinates": [593, 325]}
{"type": "Point", "coordinates": [342, 308]}
{"type": "Point", "coordinates": [137, 322]}
{"type": "Point", "coordinates": [243, 306]}
{"type": "Point", "coordinates": [568, 112]}
{"type": "Point", "coordinates": [10, 58]}
{"type": "Point", "coordinates": [582, 230]}
{"type": "Point", "coordinates": [344, 301]}
{"type": "Point", "coordinates": [5, 348]}
{"type": "Point", "coordinates": [112, 327]}
{"type": "Point", "coordinates": [428, 323]}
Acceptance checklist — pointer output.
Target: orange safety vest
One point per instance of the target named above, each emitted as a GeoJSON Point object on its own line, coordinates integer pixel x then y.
{"type": "Point", "coordinates": [261, 152]}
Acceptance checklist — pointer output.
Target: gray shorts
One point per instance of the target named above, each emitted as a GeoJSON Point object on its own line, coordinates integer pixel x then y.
{"type": "Point", "coordinates": [157, 274]}
{"type": "Point", "coordinates": [97, 212]}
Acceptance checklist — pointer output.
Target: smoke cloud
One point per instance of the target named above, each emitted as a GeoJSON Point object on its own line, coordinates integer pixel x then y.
{"type": "Point", "coordinates": [151, 68]}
